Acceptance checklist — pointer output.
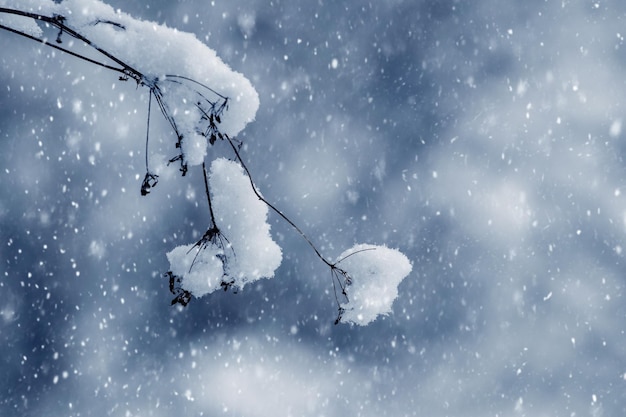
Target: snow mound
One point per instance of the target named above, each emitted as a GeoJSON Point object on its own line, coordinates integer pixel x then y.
{"type": "Point", "coordinates": [243, 219]}
{"type": "Point", "coordinates": [200, 267]}
{"type": "Point", "coordinates": [373, 274]}
{"type": "Point", "coordinates": [242, 252]}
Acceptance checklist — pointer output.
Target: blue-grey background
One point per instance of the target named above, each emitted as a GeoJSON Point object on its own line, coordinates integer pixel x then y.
{"type": "Point", "coordinates": [484, 139]}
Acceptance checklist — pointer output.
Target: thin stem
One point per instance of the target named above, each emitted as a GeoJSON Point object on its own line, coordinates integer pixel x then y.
{"type": "Point", "coordinates": [354, 253]}
{"type": "Point", "coordinates": [195, 82]}
{"type": "Point", "coordinates": [158, 95]}
{"type": "Point", "coordinates": [208, 195]}
{"type": "Point", "coordinates": [148, 129]}
{"type": "Point", "coordinates": [150, 180]}
{"type": "Point", "coordinates": [277, 211]}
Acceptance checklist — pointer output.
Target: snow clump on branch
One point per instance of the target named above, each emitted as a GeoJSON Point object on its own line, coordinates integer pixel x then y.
{"type": "Point", "coordinates": [372, 275]}
{"type": "Point", "coordinates": [241, 249]}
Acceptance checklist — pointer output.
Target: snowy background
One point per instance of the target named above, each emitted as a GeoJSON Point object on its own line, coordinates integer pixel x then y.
{"type": "Point", "coordinates": [483, 139]}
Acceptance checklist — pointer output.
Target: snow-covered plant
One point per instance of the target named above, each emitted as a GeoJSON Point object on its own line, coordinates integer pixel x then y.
{"type": "Point", "coordinates": [368, 276]}
{"type": "Point", "coordinates": [239, 251]}
{"type": "Point", "coordinates": [204, 102]}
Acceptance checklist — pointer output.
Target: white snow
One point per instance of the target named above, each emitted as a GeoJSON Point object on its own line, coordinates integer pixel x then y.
{"type": "Point", "coordinates": [201, 270]}
{"type": "Point", "coordinates": [375, 273]}
{"type": "Point", "coordinates": [242, 217]}
{"type": "Point", "coordinates": [163, 55]}
{"type": "Point", "coordinates": [194, 147]}
{"type": "Point", "coordinates": [246, 251]}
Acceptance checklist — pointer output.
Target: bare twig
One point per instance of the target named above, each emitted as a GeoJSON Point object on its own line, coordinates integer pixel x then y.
{"type": "Point", "coordinates": [277, 211]}
{"type": "Point", "coordinates": [150, 180]}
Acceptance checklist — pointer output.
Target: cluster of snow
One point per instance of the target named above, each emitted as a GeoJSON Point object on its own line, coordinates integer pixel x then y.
{"type": "Point", "coordinates": [244, 251]}
{"type": "Point", "coordinates": [165, 56]}
{"type": "Point", "coordinates": [374, 273]}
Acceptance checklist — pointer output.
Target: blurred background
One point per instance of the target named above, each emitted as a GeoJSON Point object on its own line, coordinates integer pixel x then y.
{"type": "Point", "coordinates": [483, 139]}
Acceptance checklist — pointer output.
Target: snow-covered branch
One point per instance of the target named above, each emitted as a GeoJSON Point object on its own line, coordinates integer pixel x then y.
{"type": "Point", "coordinates": [204, 102]}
